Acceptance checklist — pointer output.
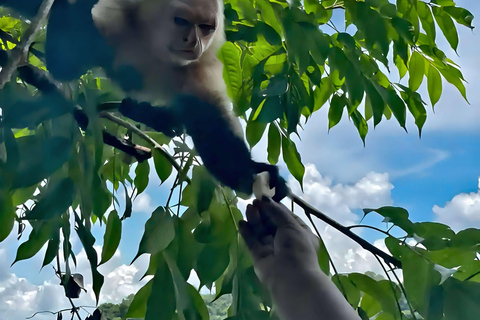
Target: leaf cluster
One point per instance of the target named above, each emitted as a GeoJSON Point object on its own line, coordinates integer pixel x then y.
{"type": "Point", "coordinates": [282, 63]}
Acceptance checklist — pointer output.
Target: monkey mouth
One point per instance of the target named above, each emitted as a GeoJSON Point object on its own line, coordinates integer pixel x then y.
{"type": "Point", "coordinates": [188, 54]}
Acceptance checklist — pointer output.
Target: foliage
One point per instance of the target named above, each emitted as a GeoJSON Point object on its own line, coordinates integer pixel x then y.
{"type": "Point", "coordinates": [217, 308]}
{"type": "Point", "coordinates": [282, 64]}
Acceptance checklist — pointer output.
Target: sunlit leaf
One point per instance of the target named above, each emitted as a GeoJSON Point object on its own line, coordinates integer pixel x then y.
{"type": "Point", "coordinates": [434, 84]}
{"type": "Point", "coordinates": [293, 160]}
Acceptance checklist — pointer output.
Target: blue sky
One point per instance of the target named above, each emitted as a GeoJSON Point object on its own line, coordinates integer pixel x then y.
{"type": "Point", "coordinates": [436, 178]}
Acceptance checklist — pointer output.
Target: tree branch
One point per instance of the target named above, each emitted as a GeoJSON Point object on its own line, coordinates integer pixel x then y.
{"type": "Point", "coordinates": [144, 136]}
{"type": "Point", "coordinates": [309, 210]}
{"type": "Point", "coordinates": [20, 52]}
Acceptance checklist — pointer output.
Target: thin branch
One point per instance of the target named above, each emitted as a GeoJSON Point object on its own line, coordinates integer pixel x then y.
{"type": "Point", "coordinates": [369, 227]}
{"type": "Point", "coordinates": [404, 292]}
{"type": "Point", "coordinates": [129, 126]}
{"type": "Point", "coordinates": [391, 285]}
{"type": "Point", "coordinates": [20, 52]}
{"type": "Point", "coordinates": [346, 231]}
{"type": "Point", "coordinates": [472, 276]}
{"type": "Point", "coordinates": [140, 153]}
{"type": "Point", "coordinates": [144, 136]}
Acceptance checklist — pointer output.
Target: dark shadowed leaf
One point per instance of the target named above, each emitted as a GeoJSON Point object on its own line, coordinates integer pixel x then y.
{"type": "Point", "coordinates": [159, 232]}
{"type": "Point", "coordinates": [274, 144]}
{"type": "Point", "coordinates": [141, 176]}
{"type": "Point", "coordinates": [111, 238]}
{"type": "Point", "coordinates": [162, 165]}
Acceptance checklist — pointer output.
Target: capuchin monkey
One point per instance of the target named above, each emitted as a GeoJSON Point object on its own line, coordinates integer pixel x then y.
{"type": "Point", "coordinates": [172, 45]}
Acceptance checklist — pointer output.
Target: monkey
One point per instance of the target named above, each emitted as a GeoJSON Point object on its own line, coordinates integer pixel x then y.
{"type": "Point", "coordinates": [169, 48]}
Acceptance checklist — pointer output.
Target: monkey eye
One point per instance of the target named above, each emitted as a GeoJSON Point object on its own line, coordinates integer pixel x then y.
{"type": "Point", "coordinates": [206, 28]}
{"type": "Point", "coordinates": [181, 22]}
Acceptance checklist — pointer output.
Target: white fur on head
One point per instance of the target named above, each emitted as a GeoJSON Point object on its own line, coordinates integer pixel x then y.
{"type": "Point", "coordinates": [110, 17]}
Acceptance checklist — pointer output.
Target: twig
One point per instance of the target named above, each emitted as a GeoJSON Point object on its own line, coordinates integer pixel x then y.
{"type": "Point", "coordinates": [20, 52]}
{"type": "Point", "coordinates": [140, 153]}
{"type": "Point", "coordinates": [144, 136]}
{"type": "Point", "coordinates": [346, 231]}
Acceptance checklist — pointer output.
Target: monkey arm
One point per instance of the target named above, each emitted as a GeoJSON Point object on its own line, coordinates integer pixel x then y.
{"type": "Point", "coordinates": [223, 152]}
{"type": "Point", "coordinates": [161, 119]}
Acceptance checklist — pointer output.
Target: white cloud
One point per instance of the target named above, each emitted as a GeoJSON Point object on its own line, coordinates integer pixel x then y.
{"type": "Point", "coordinates": [143, 203]}
{"type": "Point", "coordinates": [463, 211]}
{"type": "Point", "coordinates": [19, 298]}
{"type": "Point", "coordinates": [338, 201]}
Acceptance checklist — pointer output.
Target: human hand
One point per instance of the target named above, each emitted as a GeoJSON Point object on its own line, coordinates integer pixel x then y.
{"type": "Point", "coordinates": [280, 242]}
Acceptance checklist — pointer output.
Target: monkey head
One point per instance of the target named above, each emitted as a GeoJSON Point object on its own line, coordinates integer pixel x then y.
{"type": "Point", "coordinates": [180, 31]}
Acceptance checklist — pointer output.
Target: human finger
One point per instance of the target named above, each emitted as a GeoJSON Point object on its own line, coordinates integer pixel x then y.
{"type": "Point", "coordinates": [279, 215]}
{"type": "Point", "coordinates": [259, 249]}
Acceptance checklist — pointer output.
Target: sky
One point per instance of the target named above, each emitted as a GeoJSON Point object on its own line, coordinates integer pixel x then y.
{"type": "Point", "coordinates": [436, 178]}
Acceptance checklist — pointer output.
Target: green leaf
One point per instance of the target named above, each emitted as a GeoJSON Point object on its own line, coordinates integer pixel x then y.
{"type": "Point", "coordinates": [138, 307]}
{"type": "Point", "coordinates": [293, 160]}
{"type": "Point", "coordinates": [39, 158]}
{"type": "Point", "coordinates": [159, 232]}
{"type": "Point", "coordinates": [274, 144]}
{"type": "Point", "coordinates": [415, 105]}
{"type": "Point", "coordinates": [349, 290]}
{"type": "Point", "coordinates": [434, 84]}
{"type": "Point", "coordinates": [52, 249]}
{"type": "Point", "coordinates": [421, 283]}
{"type": "Point", "coordinates": [453, 76]}
{"type": "Point", "coordinates": [461, 299]}
{"type": "Point", "coordinates": [294, 32]}
{"type": "Point", "coordinates": [322, 93]}
{"type": "Point", "coordinates": [111, 238]}
{"type": "Point", "coordinates": [336, 110]}
{"type": "Point", "coordinates": [88, 240]}
{"type": "Point", "coordinates": [254, 132]}
{"type": "Point", "coordinates": [211, 263]}
{"type": "Point", "coordinates": [416, 68]}
{"type": "Point", "coordinates": [55, 200]}
{"type": "Point", "coordinates": [361, 124]}
{"type": "Point", "coordinates": [141, 176]}
{"type": "Point", "coordinates": [161, 303]}
{"type": "Point", "coordinates": [202, 189]}
{"type": "Point", "coordinates": [128, 204]}
{"type": "Point", "coordinates": [397, 106]}
{"type": "Point", "coordinates": [162, 165]}
{"type": "Point", "coordinates": [323, 257]}
{"type": "Point", "coordinates": [270, 110]}
{"type": "Point", "coordinates": [370, 305]}
{"type": "Point", "coordinates": [396, 215]}
{"type": "Point", "coordinates": [376, 101]}
{"type": "Point", "coordinates": [447, 26]}
{"type": "Point", "coordinates": [232, 73]}
{"type": "Point", "coordinates": [426, 18]}
{"type": "Point", "coordinates": [7, 215]}
{"type": "Point", "coordinates": [383, 291]}
{"type": "Point", "coordinates": [460, 15]}
{"type": "Point", "coordinates": [269, 33]}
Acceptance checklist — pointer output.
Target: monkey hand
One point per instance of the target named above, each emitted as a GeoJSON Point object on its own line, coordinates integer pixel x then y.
{"type": "Point", "coordinates": [160, 119]}
{"type": "Point", "coordinates": [275, 181]}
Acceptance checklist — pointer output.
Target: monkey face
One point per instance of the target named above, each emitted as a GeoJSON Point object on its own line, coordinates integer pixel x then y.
{"type": "Point", "coordinates": [183, 30]}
